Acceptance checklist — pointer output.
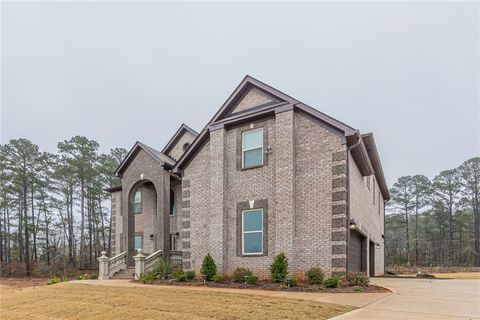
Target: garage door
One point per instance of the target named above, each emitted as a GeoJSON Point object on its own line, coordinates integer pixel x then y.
{"type": "Point", "coordinates": [356, 252]}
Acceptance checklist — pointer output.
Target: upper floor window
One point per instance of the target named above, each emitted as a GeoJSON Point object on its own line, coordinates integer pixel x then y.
{"type": "Point", "coordinates": [252, 231]}
{"type": "Point", "coordinates": [252, 148]}
{"type": "Point", "coordinates": [137, 202]}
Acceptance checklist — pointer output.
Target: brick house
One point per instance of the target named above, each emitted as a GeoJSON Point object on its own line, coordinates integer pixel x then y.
{"type": "Point", "coordinates": [267, 174]}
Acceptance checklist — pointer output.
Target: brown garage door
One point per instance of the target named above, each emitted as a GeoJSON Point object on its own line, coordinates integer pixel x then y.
{"type": "Point", "coordinates": [356, 253]}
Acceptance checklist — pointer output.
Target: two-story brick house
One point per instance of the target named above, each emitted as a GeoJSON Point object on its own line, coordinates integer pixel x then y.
{"type": "Point", "coordinates": [267, 174]}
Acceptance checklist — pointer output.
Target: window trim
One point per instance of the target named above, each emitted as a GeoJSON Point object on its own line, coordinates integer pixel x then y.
{"type": "Point", "coordinates": [245, 150]}
{"type": "Point", "coordinates": [256, 231]}
{"type": "Point", "coordinates": [141, 201]}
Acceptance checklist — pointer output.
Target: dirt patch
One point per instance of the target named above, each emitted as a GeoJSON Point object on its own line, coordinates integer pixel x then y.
{"type": "Point", "coordinates": [270, 286]}
{"type": "Point", "coordinates": [23, 282]}
{"type": "Point", "coordinates": [77, 301]}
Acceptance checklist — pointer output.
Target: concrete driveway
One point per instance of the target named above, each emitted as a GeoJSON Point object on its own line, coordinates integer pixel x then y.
{"type": "Point", "coordinates": [422, 299]}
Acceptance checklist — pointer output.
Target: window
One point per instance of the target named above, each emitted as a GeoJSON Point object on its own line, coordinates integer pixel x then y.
{"type": "Point", "coordinates": [138, 242]}
{"type": "Point", "coordinates": [173, 210]}
{"type": "Point", "coordinates": [252, 148]}
{"type": "Point", "coordinates": [252, 231]}
{"type": "Point", "coordinates": [137, 202]}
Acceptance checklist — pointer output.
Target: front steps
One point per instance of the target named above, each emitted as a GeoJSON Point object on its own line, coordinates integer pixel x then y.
{"type": "Point", "coordinates": [128, 273]}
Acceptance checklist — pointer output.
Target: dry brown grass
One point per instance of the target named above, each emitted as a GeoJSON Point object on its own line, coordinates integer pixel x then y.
{"type": "Point", "coordinates": [77, 301]}
{"type": "Point", "coordinates": [458, 275]}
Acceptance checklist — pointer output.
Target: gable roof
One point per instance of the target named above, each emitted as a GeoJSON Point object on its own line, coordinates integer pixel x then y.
{"type": "Point", "coordinates": [180, 132]}
{"type": "Point", "coordinates": [364, 144]}
{"type": "Point", "coordinates": [163, 159]}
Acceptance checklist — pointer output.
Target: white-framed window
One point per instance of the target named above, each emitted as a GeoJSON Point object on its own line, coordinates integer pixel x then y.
{"type": "Point", "coordinates": [252, 148]}
{"type": "Point", "coordinates": [138, 242]}
{"type": "Point", "coordinates": [137, 202]}
{"type": "Point", "coordinates": [252, 231]}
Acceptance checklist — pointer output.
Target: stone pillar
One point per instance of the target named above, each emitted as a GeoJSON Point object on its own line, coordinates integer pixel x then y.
{"type": "Point", "coordinates": [285, 184]}
{"type": "Point", "coordinates": [139, 264]}
{"type": "Point", "coordinates": [163, 214]}
{"type": "Point", "coordinates": [103, 266]}
{"type": "Point", "coordinates": [217, 204]}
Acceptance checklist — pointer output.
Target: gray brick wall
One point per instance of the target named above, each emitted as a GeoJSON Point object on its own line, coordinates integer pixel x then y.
{"type": "Point", "coordinates": [252, 98]}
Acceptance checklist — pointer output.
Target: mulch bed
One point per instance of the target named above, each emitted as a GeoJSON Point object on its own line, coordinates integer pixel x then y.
{"type": "Point", "coordinates": [267, 285]}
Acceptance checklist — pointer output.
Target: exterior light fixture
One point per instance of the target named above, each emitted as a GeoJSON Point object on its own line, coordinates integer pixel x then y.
{"type": "Point", "coordinates": [377, 245]}
{"type": "Point", "coordinates": [352, 225]}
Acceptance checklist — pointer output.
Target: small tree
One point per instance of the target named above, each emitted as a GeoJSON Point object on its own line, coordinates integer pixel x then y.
{"type": "Point", "coordinates": [279, 268]}
{"type": "Point", "coordinates": [209, 269]}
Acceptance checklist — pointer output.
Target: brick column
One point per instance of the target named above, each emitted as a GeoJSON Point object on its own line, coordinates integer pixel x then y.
{"type": "Point", "coordinates": [339, 212]}
{"type": "Point", "coordinates": [186, 250]}
{"type": "Point", "coordinates": [285, 184]}
{"type": "Point", "coordinates": [163, 215]}
{"type": "Point", "coordinates": [217, 199]}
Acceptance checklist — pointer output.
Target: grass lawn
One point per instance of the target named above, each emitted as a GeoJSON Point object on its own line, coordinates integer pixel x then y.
{"type": "Point", "coordinates": [77, 301]}
{"type": "Point", "coordinates": [458, 275]}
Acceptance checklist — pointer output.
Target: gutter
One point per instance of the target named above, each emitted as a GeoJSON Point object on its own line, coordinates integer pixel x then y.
{"type": "Point", "coordinates": [349, 149]}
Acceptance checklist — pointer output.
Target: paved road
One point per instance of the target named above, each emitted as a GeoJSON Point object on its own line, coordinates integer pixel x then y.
{"type": "Point", "coordinates": [422, 299]}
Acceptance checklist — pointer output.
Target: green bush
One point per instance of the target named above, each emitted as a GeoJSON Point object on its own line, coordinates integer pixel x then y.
{"type": "Point", "coordinates": [315, 276]}
{"type": "Point", "coordinates": [180, 276]}
{"type": "Point", "coordinates": [55, 280]}
{"type": "Point", "coordinates": [163, 268]}
{"type": "Point", "coordinates": [279, 268]}
{"type": "Point", "coordinates": [357, 279]}
{"type": "Point", "coordinates": [84, 276]}
{"type": "Point", "coordinates": [190, 275]}
{"type": "Point", "coordinates": [241, 274]}
{"type": "Point", "coordinates": [209, 269]}
{"type": "Point", "coordinates": [331, 282]}
{"type": "Point", "coordinates": [252, 279]}
{"type": "Point", "coordinates": [217, 278]}
{"type": "Point", "coordinates": [291, 281]}
{"type": "Point", "coordinates": [147, 278]}
{"type": "Point", "coordinates": [176, 272]}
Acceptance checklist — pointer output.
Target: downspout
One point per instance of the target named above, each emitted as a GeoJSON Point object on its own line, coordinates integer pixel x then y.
{"type": "Point", "coordinates": [349, 149]}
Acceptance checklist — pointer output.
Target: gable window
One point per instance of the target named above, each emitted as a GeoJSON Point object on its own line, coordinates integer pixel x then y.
{"type": "Point", "coordinates": [138, 242]}
{"type": "Point", "coordinates": [137, 202]}
{"type": "Point", "coordinates": [252, 148]}
{"type": "Point", "coordinates": [252, 231]}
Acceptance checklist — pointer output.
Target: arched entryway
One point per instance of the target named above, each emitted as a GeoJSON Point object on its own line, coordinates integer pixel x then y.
{"type": "Point", "coordinates": [142, 218]}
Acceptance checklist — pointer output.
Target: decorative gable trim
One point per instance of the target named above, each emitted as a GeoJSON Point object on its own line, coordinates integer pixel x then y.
{"type": "Point", "coordinates": [178, 134]}
{"type": "Point", "coordinates": [163, 159]}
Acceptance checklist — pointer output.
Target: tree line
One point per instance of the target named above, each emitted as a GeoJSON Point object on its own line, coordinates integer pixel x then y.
{"type": "Point", "coordinates": [435, 222]}
{"type": "Point", "coordinates": [53, 207]}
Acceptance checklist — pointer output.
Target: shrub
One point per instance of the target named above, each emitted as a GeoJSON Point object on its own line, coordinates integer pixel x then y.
{"type": "Point", "coordinates": [54, 280]}
{"type": "Point", "coordinates": [180, 276]}
{"type": "Point", "coordinates": [209, 269]}
{"type": "Point", "coordinates": [331, 282]}
{"type": "Point", "coordinates": [176, 272]}
{"type": "Point", "coordinates": [425, 275]}
{"type": "Point", "coordinates": [358, 279]}
{"type": "Point", "coordinates": [84, 276]}
{"type": "Point", "coordinates": [251, 279]}
{"type": "Point", "coordinates": [291, 281]}
{"type": "Point", "coordinates": [315, 275]}
{"type": "Point", "coordinates": [241, 274]}
{"type": "Point", "coordinates": [147, 278]}
{"type": "Point", "coordinates": [217, 278]}
{"type": "Point", "coordinates": [163, 268]}
{"type": "Point", "coordinates": [190, 275]}
{"type": "Point", "coordinates": [283, 286]}
{"type": "Point", "coordinates": [279, 268]}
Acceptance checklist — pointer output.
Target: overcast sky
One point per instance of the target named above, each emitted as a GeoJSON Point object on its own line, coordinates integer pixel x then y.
{"type": "Point", "coordinates": [127, 71]}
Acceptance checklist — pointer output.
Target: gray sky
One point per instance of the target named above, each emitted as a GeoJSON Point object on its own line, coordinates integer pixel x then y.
{"type": "Point", "coordinates": [127, 71]}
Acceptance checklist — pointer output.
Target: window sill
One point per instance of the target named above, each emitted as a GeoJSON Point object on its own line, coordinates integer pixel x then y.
{"type": "Point", "coordinates": [253, 255]}
{"type": "Point", "coordinates": [254, 167]}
